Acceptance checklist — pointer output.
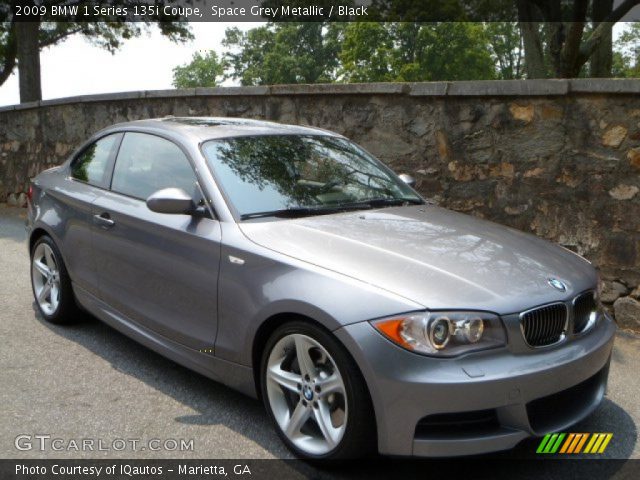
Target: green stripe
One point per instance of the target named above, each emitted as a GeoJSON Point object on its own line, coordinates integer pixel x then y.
{"type": "Point", "coordinates": [547, 449]}
{"type": "Point", "coordinates": [557, 445]}
{"type": "Point", "coordinates": [543, 443]}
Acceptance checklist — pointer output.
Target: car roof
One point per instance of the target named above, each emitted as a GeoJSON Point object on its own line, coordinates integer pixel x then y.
{"type": "Point", "coordinates": [209, 128]}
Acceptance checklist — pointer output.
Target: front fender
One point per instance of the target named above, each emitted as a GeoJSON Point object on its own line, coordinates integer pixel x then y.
{"type": "Point", "coordinates": [269, 283]}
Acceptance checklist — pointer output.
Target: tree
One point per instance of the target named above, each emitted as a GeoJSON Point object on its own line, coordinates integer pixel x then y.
{"type": "Point", "coordinates": [602, 58]}
{"type": "Point", "coordinates": [203, 71]}
{"type": "Point", "coordinates": [505, 42]}
{"type": "Point", "coordinates": [414, 52]}
{"type": "Point", "coordinates": [367, 54]}
{"type": "Point", "coordinates": [557, 41]}
{"type": "Point", "coordinates": [28, 56]}
{"type": "Point", "coordinates": [626, 55]}
{"type": "Point", "coordinates": [22, 41]}
{"type": "Point", "coordinates": [287, 52]}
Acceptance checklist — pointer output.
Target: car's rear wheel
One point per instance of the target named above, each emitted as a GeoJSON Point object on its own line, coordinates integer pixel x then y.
{"type": "Point", "coordinates": [315, 395]}
{"type": "Point", "coordinates": [51, 284]}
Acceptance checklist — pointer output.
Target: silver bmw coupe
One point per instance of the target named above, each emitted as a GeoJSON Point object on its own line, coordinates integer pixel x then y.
{"type": "Point", "coordinates": [289, 264]}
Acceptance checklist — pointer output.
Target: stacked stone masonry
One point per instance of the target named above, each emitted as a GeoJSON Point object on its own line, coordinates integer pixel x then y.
{"type": "Point", "coordinates": [557, 158]}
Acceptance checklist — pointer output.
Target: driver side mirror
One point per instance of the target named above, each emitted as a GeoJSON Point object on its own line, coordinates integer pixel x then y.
{"type": "Point", "coordinates": [171, 201]}
{"type": "Point", "coordinates": [408, 179]}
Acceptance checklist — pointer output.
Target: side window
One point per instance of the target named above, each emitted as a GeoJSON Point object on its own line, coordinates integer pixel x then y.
{"type": "Point", "coordinates": [147, 163]}
{"type": "Point", "coordinates": [92, 164]}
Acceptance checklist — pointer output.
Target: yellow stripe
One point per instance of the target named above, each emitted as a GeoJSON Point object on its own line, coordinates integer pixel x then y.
{"type": "Point", "coordinates": [567, 443]}
{"type": "Point", "coordinates": [605, 443]}
{"type": "Point", "coordinates": [594, 438]}
{"type": "Point", "coordinates": [584, 439]}
{"type": "Point", "coordinates": [596, 446]}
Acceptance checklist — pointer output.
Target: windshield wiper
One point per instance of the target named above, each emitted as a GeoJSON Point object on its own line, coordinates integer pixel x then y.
{"type": "Point", "coordinates": [384, 202]}
{"type": "Point", "coordinates": [295, 212]}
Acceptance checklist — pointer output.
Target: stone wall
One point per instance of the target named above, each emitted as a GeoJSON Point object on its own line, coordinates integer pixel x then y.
{"type": "Point", "coordinates": [558, 158]}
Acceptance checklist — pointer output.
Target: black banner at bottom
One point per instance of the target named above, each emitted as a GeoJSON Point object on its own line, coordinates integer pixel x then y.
{"type": "Point", "coordinates": [476, 468]}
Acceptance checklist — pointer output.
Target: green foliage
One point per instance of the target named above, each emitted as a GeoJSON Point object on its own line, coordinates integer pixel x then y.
{"type": "Point", "coordinates": [626, 54]}
{"type": "Point", "coordinates": [281, 53]}
{"type": "Point", "coordinates": [412, 52]}
{"type": "Point", "coordinates": [203, 71]}
{"type": "Point", "coordinates": [284, 53]}
{"type": "Point", "coordinates": [367, 54]}
{"type": "Point", "coordinates": [506, 47]}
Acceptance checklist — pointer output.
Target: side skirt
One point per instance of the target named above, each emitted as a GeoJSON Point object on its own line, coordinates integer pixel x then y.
{"type": "Point", "coordinates": [239, 377]}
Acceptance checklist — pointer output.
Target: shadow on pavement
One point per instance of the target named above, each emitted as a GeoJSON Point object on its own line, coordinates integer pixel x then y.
{"type": "Point", "coordinates": [216, 403]}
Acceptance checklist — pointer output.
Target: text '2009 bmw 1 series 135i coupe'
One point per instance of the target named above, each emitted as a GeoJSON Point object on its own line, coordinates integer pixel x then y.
{"type": "Point", "coordinates": [288, 263]}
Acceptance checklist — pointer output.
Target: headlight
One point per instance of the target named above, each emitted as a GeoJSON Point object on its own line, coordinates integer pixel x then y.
{"type": "Point", "coordinates": [443, 333]}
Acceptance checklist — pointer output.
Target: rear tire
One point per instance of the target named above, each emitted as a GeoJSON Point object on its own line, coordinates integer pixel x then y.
{"type": "Point", "coordinates": [51, 284]}
{"type": "Point", "coordinates": [315, 395]}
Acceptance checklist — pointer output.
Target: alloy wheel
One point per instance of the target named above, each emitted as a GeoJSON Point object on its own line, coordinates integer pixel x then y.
{"type": "Point", "coordinates": [45, 275]}
{"type": "Point", "coordinates": [306, 393]}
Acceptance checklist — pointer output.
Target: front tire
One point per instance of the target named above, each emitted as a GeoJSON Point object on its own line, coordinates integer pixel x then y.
{"type": "Point", "coordinates": [315, 394]}
{"type": "Point", "coordinates": [51, 284]}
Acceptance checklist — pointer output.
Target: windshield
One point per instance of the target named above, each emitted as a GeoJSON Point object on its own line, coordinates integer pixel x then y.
{"type": "Point", "coordinates": [275, 174]}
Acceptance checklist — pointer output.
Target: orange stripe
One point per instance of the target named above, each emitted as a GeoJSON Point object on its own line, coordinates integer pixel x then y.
{"type": "Point", "coordinates": [567, 443]}
{"type": "Point", "coordinates": [575, 442]}
{"type": "Point", "coordinates": [584, 439]}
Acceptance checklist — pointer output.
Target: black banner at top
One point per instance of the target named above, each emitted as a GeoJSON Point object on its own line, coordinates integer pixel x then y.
{"type": "Point", "coordinates": [313, 10]}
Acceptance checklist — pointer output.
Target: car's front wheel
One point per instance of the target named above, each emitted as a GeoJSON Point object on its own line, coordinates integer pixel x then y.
{"type": "Point", "coordinates": [51, 283]}
{"type": "Point", "coordinates": [315, 395]}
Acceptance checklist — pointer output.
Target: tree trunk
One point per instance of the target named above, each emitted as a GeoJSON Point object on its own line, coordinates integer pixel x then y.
{"type": "Point", "coordinates": [533, 54]}
{"type": "Point", "coordinates": [528, 18]}
{"type": "Point", "coordinates": [602, 58]}
{"type": "Point", "coordinates": [27, 34]}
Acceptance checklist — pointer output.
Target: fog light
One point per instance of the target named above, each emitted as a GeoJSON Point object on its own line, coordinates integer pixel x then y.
{"type": "Point", "coordinates": [440, 332]}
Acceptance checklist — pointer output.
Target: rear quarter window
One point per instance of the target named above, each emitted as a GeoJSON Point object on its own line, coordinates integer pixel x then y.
{"type": "Point", "coordinates": [92, 165]}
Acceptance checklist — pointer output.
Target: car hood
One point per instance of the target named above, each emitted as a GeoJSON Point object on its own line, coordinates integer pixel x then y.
{"type": "Point", "coordinates": [432, 256]}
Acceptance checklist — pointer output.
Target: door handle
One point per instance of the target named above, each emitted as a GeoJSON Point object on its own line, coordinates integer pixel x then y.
{"type": "Point", "coordinates": [103, 220]}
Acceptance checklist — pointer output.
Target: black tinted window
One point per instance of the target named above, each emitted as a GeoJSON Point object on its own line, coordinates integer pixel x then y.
{"type": "Point", "coordinates": [92, 164]}
{"type": "Point", "coordinates": [147, 163]}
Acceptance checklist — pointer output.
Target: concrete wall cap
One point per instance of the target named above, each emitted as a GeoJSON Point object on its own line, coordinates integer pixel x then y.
{"type": "Point", "coordinates": [482, 88]}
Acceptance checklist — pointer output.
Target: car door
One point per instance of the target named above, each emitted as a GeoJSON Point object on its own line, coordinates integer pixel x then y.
{"type": "Point", "coordinates": [87, 178]}
{"type": "Point", "coordinates": [157, 270]}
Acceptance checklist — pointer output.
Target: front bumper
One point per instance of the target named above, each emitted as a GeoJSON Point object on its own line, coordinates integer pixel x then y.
{"type": "Point", "coordinates": [508, 395]}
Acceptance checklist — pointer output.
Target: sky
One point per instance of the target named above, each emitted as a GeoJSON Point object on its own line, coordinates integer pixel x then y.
{"type": "Point", "coordinates": [76, 67]}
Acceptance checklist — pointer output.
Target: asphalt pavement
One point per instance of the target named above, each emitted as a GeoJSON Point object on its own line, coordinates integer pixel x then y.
{"type": "Point", "coordinates": [89, 382]}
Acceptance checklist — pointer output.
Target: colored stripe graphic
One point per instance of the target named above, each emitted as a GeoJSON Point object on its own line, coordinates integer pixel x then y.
{"type": "Point", "coordinates": [605, 443]}
{"type": "Point", "coordinates": [592, 440]}
{"type": "Point", "coordinates": [567, 443]}
{"type": "Point", "coordinates": [555, 447]}
{"type": "Point", "coordinates": [599, 443]}
{"type": "Point", "coordinates": [550, 443]}
{"type": "Point", "coordinates": [582, 441]}
{"type": "Point", "coordinates": [572, 443]}
{"type": "Point", "coordinates": [543, 443]}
